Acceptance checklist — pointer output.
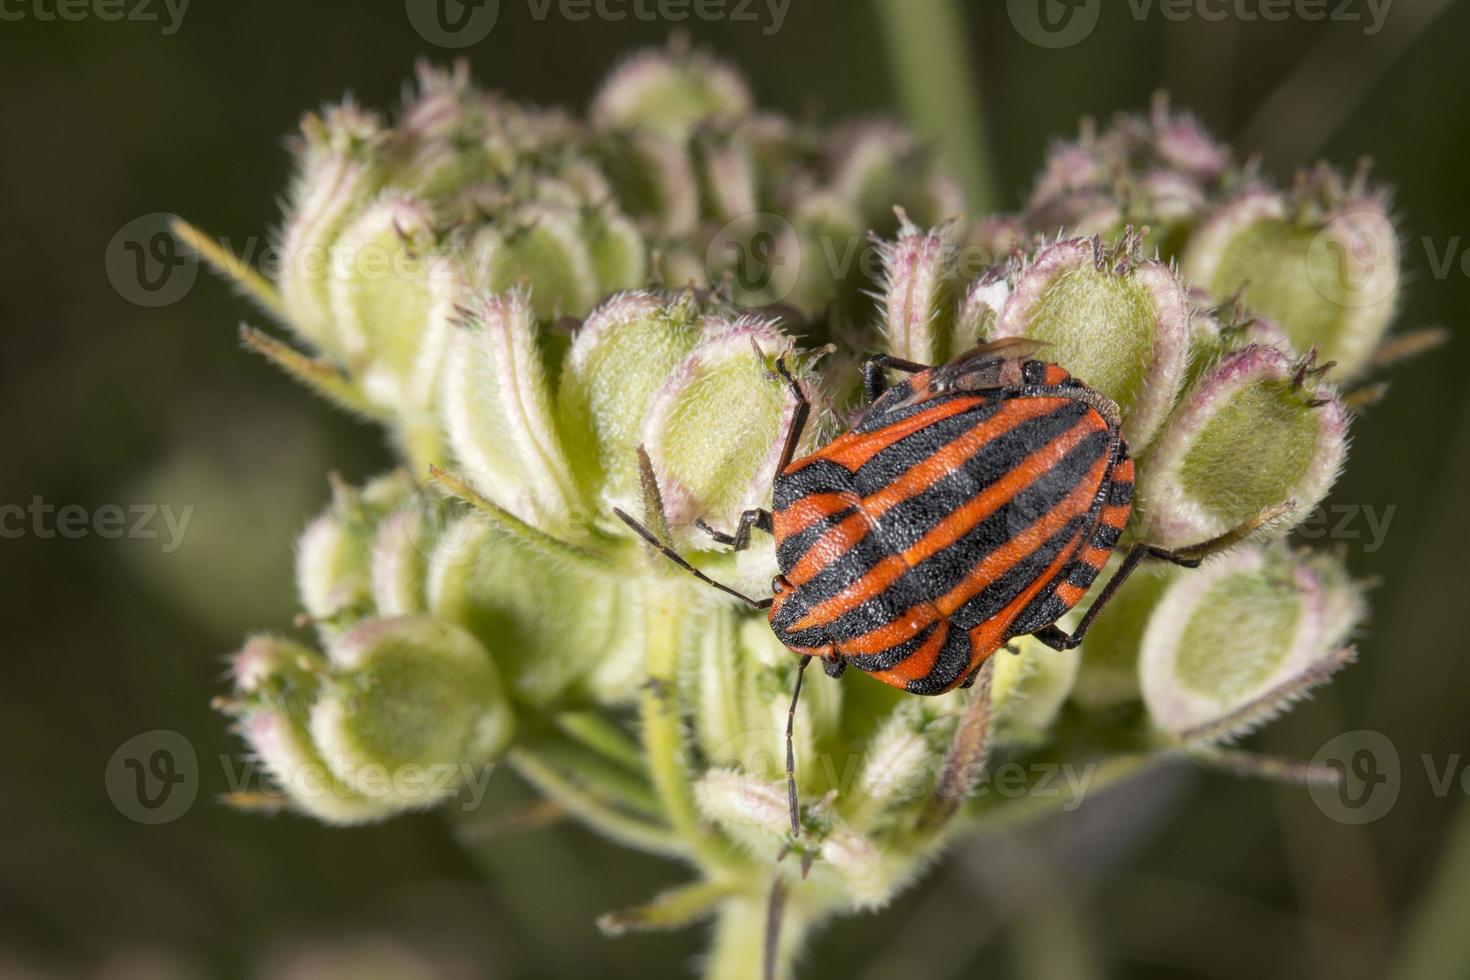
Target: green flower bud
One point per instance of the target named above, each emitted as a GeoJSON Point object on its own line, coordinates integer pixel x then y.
{"type": "Point", "coordinates": [1324, 265]}
{"type": "Point", "coordinates": [540, 248]}
{"type": "Point", "coordinates": [715, 428]}
{"type": "Point", "coordinates": [1160, 171]}
{"type": "Point", "coordinates": [918, 294]}
{"type": "Point", "coordinates": [754, 812]}
{"type": "Point", "coordinates": [878, 165]}
{"type": "Point", "coordinates": [903, 759]}
{"type": "Point", "coordinates": [653, 177]}
{"type": "Point", "coordinates": [391, 300]}
{"type": "Point", "coordinates": [869, 874]}
{"type": "Point", "coordinates": [616, 365]}
{"type": "Point", "coordinates": [1231, 643]}
{"type": "Point", "coordinates": [815, 278]}
{"type": "Point", "coordinates": [276, 684]}
{"type": "Point", "coordinates": [727, 175]}
{"type": "Point", "coordinates": [1028, 689]}
{"type": "Point", "coordinates": [412, 706]}
{"type": "Point", "coordinates": [498, 413]}
{"type": "Point", "coordinates": [337, 173]}
{"type": "Point", "coordinates": [1253, 432]}
{"type": "Point", "coordinates": [503, 590]}
{"type": "Point", "coordinates": [400, 565]}
{"type": "Point", "coordinates": [670, 91]}
{"type": "Point", "coordinates": [1120, 325]}
{"type": "Point", "coordinates": [1108, 672]}
{"type": "Point", "coordinates": [334, 557]}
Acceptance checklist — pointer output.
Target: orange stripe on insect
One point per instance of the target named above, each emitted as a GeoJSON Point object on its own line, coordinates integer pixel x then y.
{"type": "Point", "coordinates": [854, 449]}
{"type": "Point", "coordinates": [955, 454]}
{"type": "Point", "coordinates": [1022, 544]}
{"type": "Point", "coordinates": [949, 530]}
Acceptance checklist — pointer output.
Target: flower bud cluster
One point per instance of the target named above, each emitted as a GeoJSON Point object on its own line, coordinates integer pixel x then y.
{"type": "Point", "coordinates": [583, 322]}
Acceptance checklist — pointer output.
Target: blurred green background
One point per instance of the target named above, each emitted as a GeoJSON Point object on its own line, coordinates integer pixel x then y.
{"type": "Point", "coordinates": [107, 402]}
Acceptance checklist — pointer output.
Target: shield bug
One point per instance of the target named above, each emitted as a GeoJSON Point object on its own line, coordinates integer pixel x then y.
{"type": "Point", "coordinates": [972, 503]}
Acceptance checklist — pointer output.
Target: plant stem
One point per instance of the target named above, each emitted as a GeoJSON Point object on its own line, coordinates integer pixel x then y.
{"type": "Point", "coordinates": [589, 807]}
{"type": "Point", "coordinates": [663, 729]}
{"type": "Point", "coordinates": [939, 88]}
{"type": "Point", "coordinates": [739, 951]}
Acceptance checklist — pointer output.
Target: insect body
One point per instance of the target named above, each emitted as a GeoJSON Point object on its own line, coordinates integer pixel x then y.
{"type": "Point", "coordinates": [972, 503]}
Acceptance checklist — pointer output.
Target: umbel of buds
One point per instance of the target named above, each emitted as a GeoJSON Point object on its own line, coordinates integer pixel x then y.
{"type": "Point", "coordinates": [564, 334]}
{"type": "Point", "coordinates": [674, 179]}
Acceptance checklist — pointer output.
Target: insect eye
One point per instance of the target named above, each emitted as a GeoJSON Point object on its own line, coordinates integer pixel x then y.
{"type": "Point", "coordinates": [778, 585]}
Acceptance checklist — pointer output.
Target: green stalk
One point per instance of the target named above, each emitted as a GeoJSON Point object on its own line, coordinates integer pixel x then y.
{"type": "Point", "coordinates": [594, 809]}
{"type": "Point", "coordinates": [741, 935]}
{"type": "Point", "coordinates": [663, 729]}
{"type": "Point", "coordinates": [938, 85]}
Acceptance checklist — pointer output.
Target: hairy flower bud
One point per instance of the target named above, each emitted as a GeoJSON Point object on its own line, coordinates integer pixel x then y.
{"type": "Point", "coordinates": [1230, 644]}
{"type": "Point", "coordinates": [715, 428]}
{"type": "Point", "coordinates": [618, 360]}
{"type": "Point", "coordinates": [337, 172]}
{"type": "Point", "coordinates": [391, 300]}
{"type": "Point", "coordinates": [879, 165]}
{"type": "Point", "coordinates": [670, 91]}
{"type": "Point", "coordinates": [753, 811]}
{"type": "Point", "coordinates": [918, 294]}
{"type": "Point", "coordinates": [334, 555]}
{"type": "Point", "coordinates": [1324, 264]}
{"type": "Point", "coordinates": [1255, 431]}
{"type": "Point", "coordinates": [499, 416]}
{"type": "Point", "coordinates": [1120, 325]}
{"type": "Point", "coordinates": [1028, 689]}
{"type": "Point", "coordinates": [276, 683]}
{"type": "Point", "coordinates": [1108, 672]}
{"type": "Point", "coordinates": [412, 705]}
{"type": "Point", "coordinates": [502, 589]}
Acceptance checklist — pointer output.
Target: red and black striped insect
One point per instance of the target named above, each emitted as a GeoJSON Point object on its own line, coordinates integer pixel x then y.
{"type": "Point", "coordinates": [973, 503]}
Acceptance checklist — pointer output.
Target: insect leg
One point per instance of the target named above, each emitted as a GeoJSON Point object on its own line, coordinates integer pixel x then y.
{"type": "Point", "coordinates": [740, 540]}
{"type": "Point", "coordinates": [874, 380]}
{"type": "Point", "coordinates": [678, 559]}
{"type": "Point", "coordinates": [1058, 639]}
{"type": "Point", "coordinates": [798, 419]}
{"type": "Point", "coordinates": [791, 749]}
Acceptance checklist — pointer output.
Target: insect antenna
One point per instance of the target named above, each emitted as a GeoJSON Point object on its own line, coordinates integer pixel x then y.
{"type": "Point", "coordinates": [791, 748]}
{"type": "Point", "coordinates": [653, 506]}
{"type": "Point", "coordinates": [679, 560]}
